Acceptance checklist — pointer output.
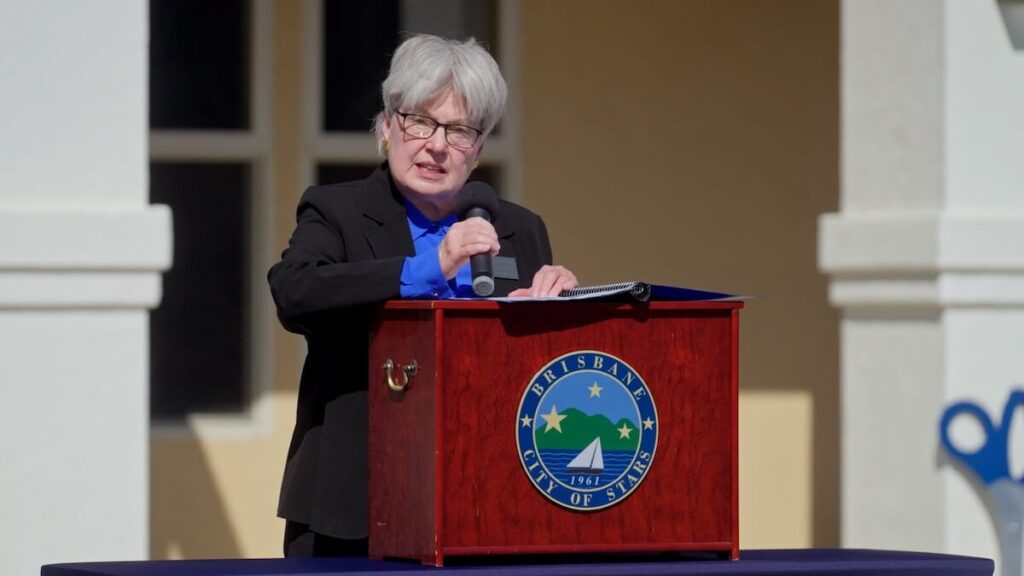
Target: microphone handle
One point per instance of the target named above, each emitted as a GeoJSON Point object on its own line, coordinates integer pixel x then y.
{"type": "Point", "coordinates": [482, 269]}
{"type": "Point", "coordinates": [481, 265]}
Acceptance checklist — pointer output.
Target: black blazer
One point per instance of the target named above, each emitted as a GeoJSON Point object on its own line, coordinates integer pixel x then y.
{"type": "Point", "coordinates": [344, 257]}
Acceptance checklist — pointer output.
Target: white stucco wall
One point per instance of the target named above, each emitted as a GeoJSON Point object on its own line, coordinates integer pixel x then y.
{"type": "Point", "coordinates": [80, 259]}
{"type": "Point", "coordinates": [73, 117]}
{"type": "Point", "coordinates": [926, 262]}
{"type": "Point", "coordinates": [984, 130]}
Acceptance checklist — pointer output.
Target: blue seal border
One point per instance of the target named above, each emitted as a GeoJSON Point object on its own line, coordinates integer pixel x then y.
{"type": "Point", "coordinates": [590, 498]}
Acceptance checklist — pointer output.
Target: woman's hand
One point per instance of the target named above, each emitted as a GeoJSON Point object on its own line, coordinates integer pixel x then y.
{"type": "Point", "coordinates": [464, 239]}
{"type": "Point", "coordinates": [548, 281]}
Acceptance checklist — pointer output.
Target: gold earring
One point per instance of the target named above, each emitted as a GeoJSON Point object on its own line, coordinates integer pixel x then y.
{"type": "Point", "coordinates": [385, 145]}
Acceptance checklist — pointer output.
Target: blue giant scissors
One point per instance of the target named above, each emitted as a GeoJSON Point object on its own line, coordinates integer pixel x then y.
{"type": "Point", "coordinates": [992, 461]}
{"type": "Point", "coordinates": [991, 464]}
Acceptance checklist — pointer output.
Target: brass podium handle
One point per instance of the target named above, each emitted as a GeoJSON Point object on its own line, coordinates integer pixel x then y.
{"type": "Point", "coordinates": [408, 371]}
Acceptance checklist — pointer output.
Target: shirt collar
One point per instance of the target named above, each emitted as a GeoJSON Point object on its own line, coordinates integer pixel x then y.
{"type": "Point", "coordinates": [420, 225]}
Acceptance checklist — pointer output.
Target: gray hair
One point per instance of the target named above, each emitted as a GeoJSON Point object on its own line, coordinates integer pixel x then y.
{"type": "Point", "coordinates": [425, 67]}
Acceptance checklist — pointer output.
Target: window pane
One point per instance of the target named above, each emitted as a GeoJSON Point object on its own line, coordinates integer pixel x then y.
{"type": "Point", "coordinates": [459, 19]}
{"type": "Point", "coordinates": [198, 334]}
{"type": "Point", "coordinates": [199, 64]}
{"type": "Point", "coordinates": [359, 38]}
{"type": "Point", "coordinates": [331, 173]}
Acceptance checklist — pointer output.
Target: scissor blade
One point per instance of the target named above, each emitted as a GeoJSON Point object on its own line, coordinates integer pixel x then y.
{"type": "Point", "coordinates": [1007, 500]}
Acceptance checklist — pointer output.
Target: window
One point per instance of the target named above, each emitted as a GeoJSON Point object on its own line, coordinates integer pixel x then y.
{"type": "Point", "coordinates": [344, 91]}
{"type": "Point", "coordinates": [208, 118]}
{"type": "Point", "coordinates": [198, 334]}
{"type": "Point", "coordinates": [327, 173]}
{"type": "Point", "coordinates": [210, 153]}
{"type": "Point", "coordinates": [199, 64]}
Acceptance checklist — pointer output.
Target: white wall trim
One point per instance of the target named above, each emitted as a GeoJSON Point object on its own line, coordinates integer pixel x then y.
{"type": "Point", "coordinates": [100, 238]}
{"type": "Point", "coordinates": [79, 290]}
{"type": "Point", "coordinates": [901, 242]}
{"type": "Point", "coordinates": [945, 290]}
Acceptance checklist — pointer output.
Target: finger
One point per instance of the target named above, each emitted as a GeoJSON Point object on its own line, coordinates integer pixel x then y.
{"type": "Point", "coordinates": [464, 243]}
{"type": "Point", "coordinates": [547, 286]}
{"type": "Point", "coordinates": [542, 281]}
{"type": "Point", "coordinates": [479, 246]}
{"type": "Point", "coordinates": [453, 253]}
{"type": "Point", "coordinates": [476, 235]}
{"type": "Point", "coordinates": [476, 225]}
{"type": "Point", "coordinates": [567, 281]}
{"type": "Point", "coordinates": [561, 279]}
{"type": "Point", "coordinates": [533, 283]}
{"type": "Point", "coordinates": [519, 293]}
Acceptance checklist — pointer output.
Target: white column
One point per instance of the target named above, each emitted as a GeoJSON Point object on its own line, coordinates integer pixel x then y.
{"type": "Point", "coordinates": [926, 258]}
{"type": "Point", "coordinates": [80, 258]}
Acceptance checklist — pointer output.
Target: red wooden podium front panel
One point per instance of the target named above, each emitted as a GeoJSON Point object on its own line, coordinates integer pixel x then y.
{"type": "Point", "coordinates": [685, 359]}
{"type": "Point", "coordinates": [486, 358]}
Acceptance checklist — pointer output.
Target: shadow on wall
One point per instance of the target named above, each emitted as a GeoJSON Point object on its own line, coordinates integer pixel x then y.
{"type": "Point", "coordinates": [1013, 17]}
{"type": "Point", "coordinates": [190, 520]}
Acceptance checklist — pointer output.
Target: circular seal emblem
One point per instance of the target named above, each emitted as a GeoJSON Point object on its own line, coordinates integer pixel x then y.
{"type": "Point", "coordinates": [586, 430]}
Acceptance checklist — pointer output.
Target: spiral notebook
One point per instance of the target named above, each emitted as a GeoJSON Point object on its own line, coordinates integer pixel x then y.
{"type": "Point", "coordinates": [642, 292]}
{"type": "Point", "coordinates": [634, 291]}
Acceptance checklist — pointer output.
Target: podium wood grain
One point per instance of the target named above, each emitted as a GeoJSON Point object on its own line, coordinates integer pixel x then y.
{"type": "Point", "coordinates": [445, 475]}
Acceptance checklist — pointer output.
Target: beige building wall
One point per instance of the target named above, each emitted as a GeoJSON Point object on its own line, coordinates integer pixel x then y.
{"type": "Point", "coordinates": [696, 143]}
{"type": "Point", "coordinates": [690, 143]}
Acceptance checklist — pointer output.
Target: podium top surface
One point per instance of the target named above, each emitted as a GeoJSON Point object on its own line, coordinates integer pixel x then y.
{"type": "Point", "coordinates": [610, 305]}
{"type": "Point", "coordinates": [828, 562]}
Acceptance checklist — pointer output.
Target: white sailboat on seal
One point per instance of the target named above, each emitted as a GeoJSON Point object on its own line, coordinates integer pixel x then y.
{"type": "Point", "coordinates": [590, 460]}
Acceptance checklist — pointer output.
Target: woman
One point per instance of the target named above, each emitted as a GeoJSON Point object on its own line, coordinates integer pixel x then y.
{"type": "Point", "coordinates": [392, 235]}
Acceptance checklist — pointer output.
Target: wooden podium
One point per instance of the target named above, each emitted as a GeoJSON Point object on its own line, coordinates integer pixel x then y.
{"type": "Point", "coordinates": [454, 470]}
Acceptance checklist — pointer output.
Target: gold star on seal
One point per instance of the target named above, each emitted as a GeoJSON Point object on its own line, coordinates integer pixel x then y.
{"type": "Point", "coordinates": [595, 390]}
{"type": "Point", "coordinates": [553, 419]}
{"type": "Point", "coordinates": [526, 420]}
{"type": "Point", "coordinates": [625, 431]}
{"type": "Point", "coordinates": [648, 424]}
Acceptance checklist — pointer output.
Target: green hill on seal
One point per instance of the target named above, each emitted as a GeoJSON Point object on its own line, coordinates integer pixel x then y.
{"type": "Point", "coordinates": [579, 429]}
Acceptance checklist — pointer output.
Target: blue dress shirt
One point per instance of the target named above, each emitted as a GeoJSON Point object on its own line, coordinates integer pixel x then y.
{"type": "Point", "coordinates": [421, 274]}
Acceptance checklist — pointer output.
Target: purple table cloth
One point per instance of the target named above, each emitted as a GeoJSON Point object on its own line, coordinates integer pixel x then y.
{"type": "Point", "coordinates": [830, 562]}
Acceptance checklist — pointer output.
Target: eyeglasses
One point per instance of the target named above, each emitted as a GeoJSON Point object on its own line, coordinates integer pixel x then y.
{"type": "Point", "coordinates": [422, 127]}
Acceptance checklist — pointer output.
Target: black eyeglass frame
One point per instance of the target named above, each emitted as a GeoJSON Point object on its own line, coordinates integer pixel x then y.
{"type": "Point", "coordinates": [405, 115]}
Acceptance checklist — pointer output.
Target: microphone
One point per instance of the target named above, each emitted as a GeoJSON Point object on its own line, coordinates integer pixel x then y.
{"type": "Point", "coordinates": [479, 199]}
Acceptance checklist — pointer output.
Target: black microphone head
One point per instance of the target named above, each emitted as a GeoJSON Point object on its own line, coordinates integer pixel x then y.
{"type": "Point", "coordinates": [476, 195]}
